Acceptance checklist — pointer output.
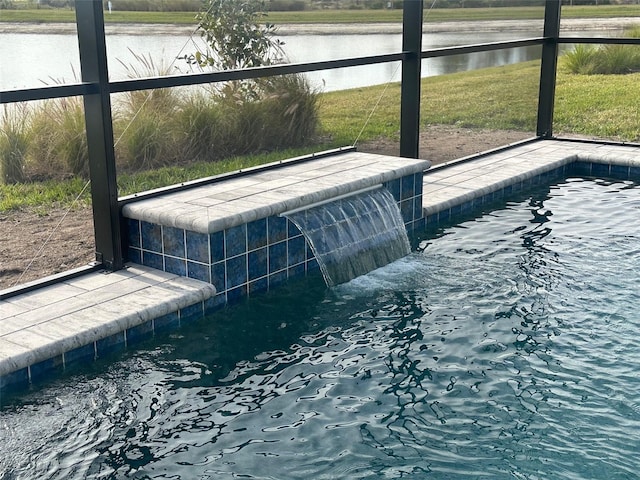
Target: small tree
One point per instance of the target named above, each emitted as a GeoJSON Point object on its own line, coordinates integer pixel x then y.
{"type": "Point", "coordinates": [235, 35]}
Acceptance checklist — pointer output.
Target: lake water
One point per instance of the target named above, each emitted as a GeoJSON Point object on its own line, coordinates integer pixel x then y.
{"type": "Point", "coordinates": [31, 60]}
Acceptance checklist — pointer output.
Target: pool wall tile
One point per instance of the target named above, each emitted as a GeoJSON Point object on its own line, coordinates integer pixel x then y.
{"type": "Point", "coordinates": [235, 295]}
{"type": "Point", "coordinates": [133, 232]}
{"type": "Point", "coordinates": [191, 313]}
{"type": "Point", "coordinates": [216, 245]}
{"type": "Point", "coordinates": [151, 235]}
{"type": "Point", "coordinates": [134, 255]}
{"type": "Point", "coordinates": [197, 246]}
{"type": "Point", "coordinates": [152, 260]}
{"type": "Point", "coordinates": [168, 322]}
{"type": "Point", "coordinates": [46, 368]}
{"type": "Point", "coordinates": [173, 241]}
{"type": "Point", "coordinates": [177, 266]}
{"type": "Point", "coordinates": [598, 169]}
{"type": "Point", "coordinates": [236, 271]}
{"type": "Point", "coordinates": [14, 380]}
{"type": "Point", "coordinates": [619, 171]}
{"type": "Point", "coordinates": [277, 257]}
{"type": "Point", "coordinates": [139, 333]}
{"type": "Point", "coordinates": [111, 344]}
{"type": "Point", "coordinates": [257, 234]}
{"type": "Point", "coordinates": [219, 276]}
{"type": "Point", "coordinates": [80, 354]}
{"type": "Point", "coordinates": [214, 303]}
{"type": "Point", "coordinates": [296, 250]}
{"type": "Point", "coordinates": [199, 271]}
{"type": "Point", "coordinates": [235, 240]}
{"type": "Point", "coordinates": [277, 229]}
{"type": "Point", "coordinates": [258, 286]}
{"type": "Point", "coordinates": [258, 263]}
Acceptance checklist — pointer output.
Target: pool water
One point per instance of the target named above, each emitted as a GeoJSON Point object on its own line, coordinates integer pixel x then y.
{"type": "Point", "coordinates": [504, 347]}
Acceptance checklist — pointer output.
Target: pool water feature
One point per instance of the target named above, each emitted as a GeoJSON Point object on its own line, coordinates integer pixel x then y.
{"type": "Point", "coordinates": [506, 346]}
{"type": "Point", "coordinates": [354, 235]}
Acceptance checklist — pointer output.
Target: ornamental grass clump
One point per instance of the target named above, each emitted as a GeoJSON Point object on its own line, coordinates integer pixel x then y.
{"type": "Point", "coordinates": [144, 120]}
{"type": "Point", "coordinates": [59, 140]}
{"type": "Point", "coordinates": [15, 138]}
{"type": "Point", "coordinates": [605, 59]}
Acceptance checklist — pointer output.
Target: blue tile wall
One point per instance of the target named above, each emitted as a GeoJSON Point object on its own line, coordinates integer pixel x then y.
{"type": "Point", "coordinates": [173, 241]}
{"type": "Point", "coordinates": [600, 170]}
{"type": "Point", "coordinates": [80, 354]}
{"type": "Point", "coordinates": [110, 344]}
{"type": "Point", "coordinates": [407, 191]}
{"type": "Point", "coordinates": [191, 313]}
{"type": "Point", "coordinates": [250, 258]}
{"type": "Point", "coordinates": [46, 368]}
{"type": "Point", "coordinates": [177, 266]}
{"type": "Point", "coordinates": [151, 237]}
{"type": "Point", "coordinates": [619, 171]}
{"type": "Point", "coordinates": [17, 379]}
{"type": "Point", "coordinates": [166, 323]}
{"type": "Point", "coordinates": [257, 234]}
{"type": "Point", "coordinates": [139, 333]}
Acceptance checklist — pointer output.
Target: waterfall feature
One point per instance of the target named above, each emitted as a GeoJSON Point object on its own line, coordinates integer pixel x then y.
{"type": "Point", "coordinates": [353, 235]}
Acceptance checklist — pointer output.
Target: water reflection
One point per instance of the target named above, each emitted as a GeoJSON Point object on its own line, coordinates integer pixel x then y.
{"type": "Point", "coordinates": [56, 56]}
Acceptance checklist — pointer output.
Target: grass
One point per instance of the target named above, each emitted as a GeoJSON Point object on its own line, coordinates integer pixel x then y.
{"type": "Point", "coordinates": [64, 193]}
{"type": "Point", "coordinates": [496, 98]}
{"type": "Point", "coordinates": [335, 16]}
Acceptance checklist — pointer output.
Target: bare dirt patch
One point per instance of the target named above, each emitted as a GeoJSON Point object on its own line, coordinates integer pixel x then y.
{"type": "Point", "coordinates": [34, 245]}
{"type": "Point", "coordinates": [443, 143]}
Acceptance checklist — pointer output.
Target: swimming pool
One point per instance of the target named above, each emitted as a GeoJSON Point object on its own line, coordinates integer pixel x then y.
{"type": "Point", "coordinates": [505, 346]}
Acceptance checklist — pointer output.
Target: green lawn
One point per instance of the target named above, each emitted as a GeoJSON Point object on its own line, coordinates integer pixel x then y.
{"type": "Point", "coordinates": [336, 16]}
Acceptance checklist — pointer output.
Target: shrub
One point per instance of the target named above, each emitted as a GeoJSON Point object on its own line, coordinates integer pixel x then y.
{"type": "Point", "coordinates": [59, 139]}
{"type": "Point", "coordinates": [291, 106]}
{"type": "Point", "coordinates": [14, 143]}
{"type": "Point", "coordinates": [282, 113]}
{"type": "Point", "coordinates": [145, 137]}
{"type": "Point", "coordinates": [606, 59]}
{"type": "Point", "coordinates": [205, 128]}
{"type": "Point", "coordinates": [580, 59]}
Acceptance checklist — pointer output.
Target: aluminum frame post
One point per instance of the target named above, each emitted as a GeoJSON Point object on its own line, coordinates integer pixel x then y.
{"type": "Point", "coordinates": [412, 12]}
{"type": "Point", "coordinates": [98, 121]}
{"type": "Point", "coordinates": [548, 68]}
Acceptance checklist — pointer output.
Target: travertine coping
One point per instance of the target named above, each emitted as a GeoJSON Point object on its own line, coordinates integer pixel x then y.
{"type": "Point", "coordinates": [218, 206]}
{"type": "Point", "coordinates": [451, 185]}
{"type": "Point", "coordinates": [48, 322]}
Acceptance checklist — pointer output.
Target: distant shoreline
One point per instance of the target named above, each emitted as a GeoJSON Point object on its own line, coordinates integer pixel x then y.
{"type": "Point", "coordinates": [571, 24]}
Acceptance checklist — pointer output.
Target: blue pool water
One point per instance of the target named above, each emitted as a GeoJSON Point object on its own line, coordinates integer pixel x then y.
{"type": "Point", "coordinates": [505, 347]}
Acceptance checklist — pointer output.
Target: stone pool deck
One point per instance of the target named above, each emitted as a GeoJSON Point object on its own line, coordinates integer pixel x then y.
{"type": "Point", "coordinates": [79, 319]}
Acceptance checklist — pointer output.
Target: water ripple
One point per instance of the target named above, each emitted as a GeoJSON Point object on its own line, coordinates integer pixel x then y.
{"type": "Point", "coordinates": [506, 347]}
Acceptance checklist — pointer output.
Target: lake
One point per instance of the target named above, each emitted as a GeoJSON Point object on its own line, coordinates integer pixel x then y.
{"type": "Point", "coordinates": [32, 59]}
